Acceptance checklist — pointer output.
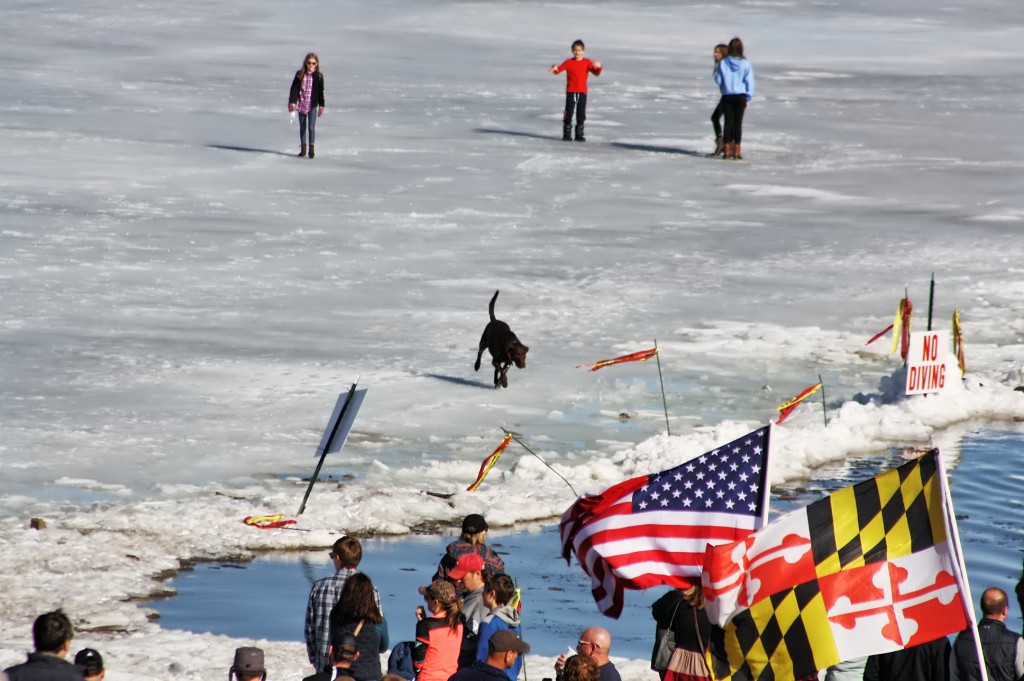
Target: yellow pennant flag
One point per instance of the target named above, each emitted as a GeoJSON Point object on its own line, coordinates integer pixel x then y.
{"type": "Point", "coordinates": [958, 342]}
{"type": "Point", "coordinates": [489, 462]}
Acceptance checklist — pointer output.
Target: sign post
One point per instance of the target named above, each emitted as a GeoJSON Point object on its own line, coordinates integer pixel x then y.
{"type": "Point", "coordinates": [336, 432]}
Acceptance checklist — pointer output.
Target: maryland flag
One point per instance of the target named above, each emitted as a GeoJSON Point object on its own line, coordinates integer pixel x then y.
{"type": "Point", "coordinates": [489, 462]}
{"type": "Point", "coordinates": [641, 356]}
{"type": "Point", "coordinates": [787, 408]}
{"type": "Point", "coordinates": [868, 570]}
{"type": "Point", "coordinates": [958, 343]}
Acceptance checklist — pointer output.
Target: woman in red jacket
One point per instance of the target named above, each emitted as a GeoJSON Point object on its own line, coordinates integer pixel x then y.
{"type": "Point", "coordinates": [435, 656]}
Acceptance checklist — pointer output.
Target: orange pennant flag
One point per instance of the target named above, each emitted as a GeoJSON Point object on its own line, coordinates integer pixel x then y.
{"type": "Point", "coordinates": [641, 356]}
{"type": "Point", "coordinates": [786, 409]}
{"type": "Point", "coordinates": [489, 462]}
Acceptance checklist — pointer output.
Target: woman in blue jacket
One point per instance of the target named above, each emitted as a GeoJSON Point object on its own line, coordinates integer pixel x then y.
{"type": "Point", "coordinates": [735, 77]}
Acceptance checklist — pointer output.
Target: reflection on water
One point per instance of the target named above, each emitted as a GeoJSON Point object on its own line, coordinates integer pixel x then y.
{"type": "Point", "coordinates": [267, 598]}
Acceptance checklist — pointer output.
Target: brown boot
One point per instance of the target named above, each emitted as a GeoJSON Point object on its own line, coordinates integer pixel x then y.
{"type": "Point", "coordinates": [311, 154]}
{"type": "Point", "coordinates": [727, 151]}
{"type": "Point", "coordinates": [736, 152]}
{"type": "Point", "coordinates": [302, 151]}
{"type": "Point", "coordinates": [719, 148]}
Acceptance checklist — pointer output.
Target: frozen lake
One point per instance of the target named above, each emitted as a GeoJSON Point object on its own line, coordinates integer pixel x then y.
{"type": "Point", "coordinates": [183, 300]}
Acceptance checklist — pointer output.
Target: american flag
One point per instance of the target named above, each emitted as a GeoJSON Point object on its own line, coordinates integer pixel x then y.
{"type": "Point", "coordinates": [652, 530]}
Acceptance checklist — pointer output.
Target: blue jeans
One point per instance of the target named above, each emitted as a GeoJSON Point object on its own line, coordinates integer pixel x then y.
{"type": "Point", "coordinates": [309, 118]}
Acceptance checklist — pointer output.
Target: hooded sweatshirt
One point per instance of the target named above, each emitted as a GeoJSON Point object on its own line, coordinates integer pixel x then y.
{"type": "Point", "coordinates": [735, 76]}
{"type": "Point", "coordinates": [502, 617]}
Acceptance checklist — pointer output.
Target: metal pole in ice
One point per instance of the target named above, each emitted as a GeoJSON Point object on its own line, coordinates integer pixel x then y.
{"type": "Point", "coordinates": [824, 414]}
{"type": "Point", "coordinates": [333, 428]}
{"type": "Point", "coordinates": [664, 402]}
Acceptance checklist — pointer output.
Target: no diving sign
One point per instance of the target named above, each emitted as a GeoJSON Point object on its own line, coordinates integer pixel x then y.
{"type": "Point", "coordinates": [929, 362]}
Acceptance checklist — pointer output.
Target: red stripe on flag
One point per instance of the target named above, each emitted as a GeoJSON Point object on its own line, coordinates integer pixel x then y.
{"type": "Point", "coordinates": [653, 530]}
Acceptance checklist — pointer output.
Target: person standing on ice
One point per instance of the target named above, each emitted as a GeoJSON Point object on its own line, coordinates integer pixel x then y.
{"type": "Point", "coordinates": [716, 116]}
{"type": "Point", "coordinates": [735, 77]}
{"type": "Point", "coordinates": [307, 99]}
{"type": "Point", "coordinates": [576, 71]}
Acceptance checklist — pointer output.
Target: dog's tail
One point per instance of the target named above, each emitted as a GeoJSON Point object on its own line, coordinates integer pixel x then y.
{"type": "Point", "coordinates": [490, 308]}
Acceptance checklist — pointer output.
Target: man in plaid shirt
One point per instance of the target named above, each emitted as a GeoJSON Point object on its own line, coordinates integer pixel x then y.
{"type": "Point", "coordinates": [345, 554]}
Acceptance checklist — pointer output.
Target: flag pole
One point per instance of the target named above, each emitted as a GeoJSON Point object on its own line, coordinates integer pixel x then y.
{"type": "Point", "coordinates": [664, 402]}
{"type": "Point", "coordinates": [521, 630]}
{"type": "Point", "coordinates": [767, 475]}
{"type": "Point", "coordinates": [513, 436]}
{"type": "Point", "coordinates": [931, 299]}
{"type": "Point", "coordinates": [961, 577]}
{"type": "Point", "coordinates": [824, 414]}
{"type": "Point", "coordinates": [903, 328]}
{"type": "Point", "coordinates": [327, 446]}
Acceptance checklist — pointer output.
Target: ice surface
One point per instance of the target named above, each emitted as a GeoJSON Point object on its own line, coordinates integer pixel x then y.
{"type": "Point", "coordinates": [183, 300]}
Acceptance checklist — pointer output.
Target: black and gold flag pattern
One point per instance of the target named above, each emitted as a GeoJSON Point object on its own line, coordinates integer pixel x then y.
{"type": "Point", "coordinates": [892, 515]}
{"type": "Point", "coordinates": [782, 637]}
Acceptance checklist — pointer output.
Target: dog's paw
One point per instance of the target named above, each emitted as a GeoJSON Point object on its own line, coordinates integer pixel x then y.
{"type": "Point", "coordinates": [504, 381]}
{"type": "Point", "coordinates": [476, 367]}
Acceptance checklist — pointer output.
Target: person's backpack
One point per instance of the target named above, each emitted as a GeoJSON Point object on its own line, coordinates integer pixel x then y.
{"type": "Point", "coordinates": [400, 660]}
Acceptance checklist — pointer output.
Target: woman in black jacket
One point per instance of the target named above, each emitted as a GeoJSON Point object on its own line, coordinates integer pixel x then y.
{"type": "Point", "coordinates": [682, 611]}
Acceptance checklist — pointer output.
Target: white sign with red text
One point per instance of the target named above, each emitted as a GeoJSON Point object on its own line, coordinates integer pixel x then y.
{"type": "Point", "coordinates": [930, 365]}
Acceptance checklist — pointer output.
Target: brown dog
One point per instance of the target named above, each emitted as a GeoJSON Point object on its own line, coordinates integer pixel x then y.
{"type": "Point", "coordinates": [504, 347]}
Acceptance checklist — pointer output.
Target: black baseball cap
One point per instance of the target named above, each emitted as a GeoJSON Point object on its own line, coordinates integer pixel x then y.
{"type": "Point", "coordinates": [90, 661]}
{"type": "Point", "coordinates": [473, 523]}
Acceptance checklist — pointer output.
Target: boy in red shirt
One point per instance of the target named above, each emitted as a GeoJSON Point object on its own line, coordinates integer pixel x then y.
{"type": "Point", "coordinates": [576, 71]}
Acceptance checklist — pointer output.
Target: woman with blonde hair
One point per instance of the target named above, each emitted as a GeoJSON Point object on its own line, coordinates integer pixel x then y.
{"type": "Point", "coordinates": [306, 97]}
{"type": "Point", "coordinates": [472, 540]}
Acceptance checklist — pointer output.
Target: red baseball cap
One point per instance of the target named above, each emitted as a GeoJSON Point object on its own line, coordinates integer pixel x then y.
{"type": "Point", "coordinates": [468, 562]}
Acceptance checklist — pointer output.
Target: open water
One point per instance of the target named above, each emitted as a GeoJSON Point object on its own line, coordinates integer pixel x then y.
{"type": "Point", "coordinates": [266, 598]}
